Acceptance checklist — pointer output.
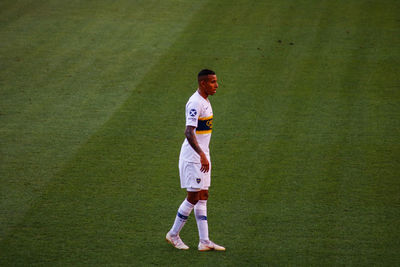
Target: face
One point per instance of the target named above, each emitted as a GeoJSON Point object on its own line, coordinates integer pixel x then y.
{"type": "Point", "coordinates": [210, 84]}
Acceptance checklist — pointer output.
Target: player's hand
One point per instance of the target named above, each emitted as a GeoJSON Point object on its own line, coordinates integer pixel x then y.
{"type": "Point", "coordinates": [205, 165]}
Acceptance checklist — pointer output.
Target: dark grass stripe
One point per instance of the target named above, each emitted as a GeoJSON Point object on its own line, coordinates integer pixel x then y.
{"type": "Point", "coordinates": [65, 68]}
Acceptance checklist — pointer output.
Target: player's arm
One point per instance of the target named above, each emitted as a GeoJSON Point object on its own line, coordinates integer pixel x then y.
{"type": "Point", "coordinates": [191, 137]}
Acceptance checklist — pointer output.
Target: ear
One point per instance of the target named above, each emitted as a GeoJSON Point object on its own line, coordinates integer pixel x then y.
{"type": "Point", "coordinates": [202, 82]}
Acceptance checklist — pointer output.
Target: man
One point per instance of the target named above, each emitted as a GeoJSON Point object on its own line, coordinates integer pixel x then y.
{"type": "Point", "coordinates": [194, 163]}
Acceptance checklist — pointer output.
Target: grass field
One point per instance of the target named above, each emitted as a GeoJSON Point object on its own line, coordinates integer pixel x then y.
{"type": "Point", "coordinates": [305, 147]}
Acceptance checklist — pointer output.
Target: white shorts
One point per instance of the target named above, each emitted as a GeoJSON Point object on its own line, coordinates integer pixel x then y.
{"type": "Point", "coordinates": [192, 178]}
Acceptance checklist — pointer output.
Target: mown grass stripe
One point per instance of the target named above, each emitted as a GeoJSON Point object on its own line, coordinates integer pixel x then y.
{"type": "Point", "coordinates": [66, 68]}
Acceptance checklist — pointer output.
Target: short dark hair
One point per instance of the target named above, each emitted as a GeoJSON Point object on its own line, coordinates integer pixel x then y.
{"type": "Point", "coordinates": [205, 72]}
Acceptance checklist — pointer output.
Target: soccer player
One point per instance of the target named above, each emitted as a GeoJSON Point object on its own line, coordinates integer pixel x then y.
{"type": "Point", "coordinates": [194, 163]}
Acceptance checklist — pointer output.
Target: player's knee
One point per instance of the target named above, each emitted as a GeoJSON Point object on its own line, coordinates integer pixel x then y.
{"type": "Point", "coordinates": [204, 195]}
{"type": "Point", "coordinates": [193, 197]}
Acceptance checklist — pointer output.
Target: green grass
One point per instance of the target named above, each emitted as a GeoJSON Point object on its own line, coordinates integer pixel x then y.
{"type": "Point", "coordinates": [305, 146]}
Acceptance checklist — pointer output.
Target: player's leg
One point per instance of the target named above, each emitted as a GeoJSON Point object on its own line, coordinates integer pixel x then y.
{"type": "Point", "coordinates": [182, 216]}
{"type": "Point", "coordinates": [200, 209]}
{"type": "Point", "coordinates": [187, 175]}
{"type": "Point", "coordinates": [200, 212]}
{"type": "Point", "coordinates": [184, 211]}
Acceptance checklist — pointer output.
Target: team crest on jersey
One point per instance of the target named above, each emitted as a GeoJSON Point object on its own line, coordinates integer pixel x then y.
{"type": "Point", "coordinates": [209, 123]}
{"type": "Point", "coordinates": [193, 112]}
{"type": "Point", "coordinates": [198, 180]}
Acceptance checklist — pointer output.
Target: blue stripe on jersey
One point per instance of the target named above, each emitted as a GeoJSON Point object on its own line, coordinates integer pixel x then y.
{"type": "Point", "coordinates": [202, 217]}
{"type": "Point", "coordinates": [204, 124]}
{"type": "Point", "coordinates": [183, 217]}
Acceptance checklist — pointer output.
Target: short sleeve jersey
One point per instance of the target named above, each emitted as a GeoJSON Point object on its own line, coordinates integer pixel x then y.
{"type": "Point", "coordinates": [198, 114]}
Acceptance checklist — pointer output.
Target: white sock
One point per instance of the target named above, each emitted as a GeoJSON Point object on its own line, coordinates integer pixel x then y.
{"type": "Point", "coordinates": [200, 211]}
{"type": "Point", "coordinates": [181, 217]}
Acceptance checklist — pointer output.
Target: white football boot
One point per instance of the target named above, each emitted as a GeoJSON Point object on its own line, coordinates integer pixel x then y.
{"type": "Point", "coordinates": [205, 246]}
{"type": "Point", "coordinates": [176, 241]}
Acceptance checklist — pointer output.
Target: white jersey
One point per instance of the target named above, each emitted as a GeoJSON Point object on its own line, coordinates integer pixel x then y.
{"type": "Point", "coordinates": [198, 114]}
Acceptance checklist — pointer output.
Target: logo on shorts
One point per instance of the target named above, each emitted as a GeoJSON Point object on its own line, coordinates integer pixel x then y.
{"type": "Point", "coordinates": [198, 180]}
{"type": "Point", "coordinates": [192, 112]}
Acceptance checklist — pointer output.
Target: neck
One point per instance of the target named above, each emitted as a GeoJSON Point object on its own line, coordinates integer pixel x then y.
{"type": "Point", "coordinates": [202, 93]}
